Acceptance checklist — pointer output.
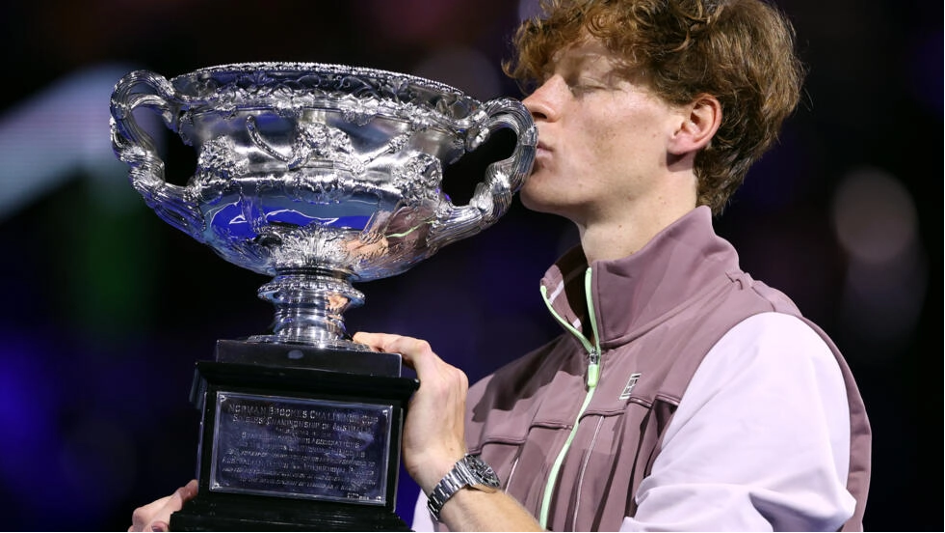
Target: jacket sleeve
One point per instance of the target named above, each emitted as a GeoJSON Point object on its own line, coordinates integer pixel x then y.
{"type": "Point", "coordinates": [760, 440]}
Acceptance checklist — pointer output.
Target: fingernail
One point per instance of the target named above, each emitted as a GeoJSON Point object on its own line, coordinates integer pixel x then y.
{"type": "Point", "coordinates": [159, 527]}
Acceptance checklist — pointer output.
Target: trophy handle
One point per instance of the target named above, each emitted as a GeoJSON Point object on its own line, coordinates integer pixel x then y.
{"type": "Point", "coordinates": [493, 195]}
{"type": "Point", "coordinates": [136, 148]}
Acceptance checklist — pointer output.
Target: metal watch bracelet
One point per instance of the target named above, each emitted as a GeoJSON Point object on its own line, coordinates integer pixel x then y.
{"type": "Point", "coordinates": [470, 471]}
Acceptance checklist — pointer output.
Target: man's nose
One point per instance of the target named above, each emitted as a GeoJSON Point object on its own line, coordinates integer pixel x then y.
{"type": "Point", "coordinates": [542, 103]}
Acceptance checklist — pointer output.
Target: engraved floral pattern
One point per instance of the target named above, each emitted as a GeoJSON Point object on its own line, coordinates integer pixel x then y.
{"type": "Point", "coordinates": [229, 87]}
{"type": "Point", "coordinates": [218, 159]}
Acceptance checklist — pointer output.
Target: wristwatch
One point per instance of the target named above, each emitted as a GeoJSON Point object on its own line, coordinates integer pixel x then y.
{"type": "Point", "coordinates": [470, 471]}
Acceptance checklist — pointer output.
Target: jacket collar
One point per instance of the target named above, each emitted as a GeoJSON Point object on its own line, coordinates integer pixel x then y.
{"type": "Point", "coordinates": [683, 262]}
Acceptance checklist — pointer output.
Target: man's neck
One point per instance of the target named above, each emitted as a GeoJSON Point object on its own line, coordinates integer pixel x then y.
{"type": "Point", "coordinates": [615, 238]}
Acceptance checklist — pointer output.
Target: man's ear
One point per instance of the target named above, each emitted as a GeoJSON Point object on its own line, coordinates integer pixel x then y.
{"type": "Point", "coordinates": [698, 123]}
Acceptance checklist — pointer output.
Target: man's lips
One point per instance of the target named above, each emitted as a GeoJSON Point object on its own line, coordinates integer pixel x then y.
{"type": "Point", "coordinates": [542, 156]}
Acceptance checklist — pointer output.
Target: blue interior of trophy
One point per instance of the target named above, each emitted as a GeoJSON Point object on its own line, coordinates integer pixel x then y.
{"type": "Point", "coordinates": [229, 221]}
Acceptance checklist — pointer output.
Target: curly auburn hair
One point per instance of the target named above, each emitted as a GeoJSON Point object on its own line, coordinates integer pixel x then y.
{"type": "Point", "coordinates": [740, 51]}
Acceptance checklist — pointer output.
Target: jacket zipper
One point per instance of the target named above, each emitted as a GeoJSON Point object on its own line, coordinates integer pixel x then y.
{"type": "Point", "coordinates": [593, 374]}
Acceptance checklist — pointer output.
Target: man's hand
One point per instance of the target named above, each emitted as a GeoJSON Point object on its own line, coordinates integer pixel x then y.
{"type": "Point", "coordinates": [156, 516]}
{"type": "Point", "coordinates": [434, 430]}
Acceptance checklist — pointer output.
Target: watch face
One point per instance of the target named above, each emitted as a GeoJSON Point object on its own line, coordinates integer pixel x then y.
{"type": "Point", "coordinates": [483, 472]}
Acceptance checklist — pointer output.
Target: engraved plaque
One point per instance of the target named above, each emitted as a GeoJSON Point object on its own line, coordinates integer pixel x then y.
{"type": "Point", "coordinates": [301, 448]}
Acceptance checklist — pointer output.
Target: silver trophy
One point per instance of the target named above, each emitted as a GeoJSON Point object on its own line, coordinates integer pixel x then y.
{"type": "Point", "coordinates": [318, 176]}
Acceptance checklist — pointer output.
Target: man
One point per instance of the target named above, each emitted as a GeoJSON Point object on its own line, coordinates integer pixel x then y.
{"type": "Point", "coordinates": [682, 394]}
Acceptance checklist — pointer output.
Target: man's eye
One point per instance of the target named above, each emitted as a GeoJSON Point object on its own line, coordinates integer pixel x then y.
{"type": "Point", "coordinates": [584, 87]}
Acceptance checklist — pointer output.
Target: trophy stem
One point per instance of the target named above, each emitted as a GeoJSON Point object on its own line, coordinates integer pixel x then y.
{"type": "Point", "coordinates": [309, 307]}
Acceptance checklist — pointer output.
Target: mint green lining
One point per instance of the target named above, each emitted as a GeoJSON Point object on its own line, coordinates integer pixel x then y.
{"type": "Point", "coordinates": [593, 374]}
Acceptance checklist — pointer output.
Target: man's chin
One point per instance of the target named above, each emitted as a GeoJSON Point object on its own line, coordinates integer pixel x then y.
{"type": "Point", "coordinates": [530, 202]}
{"type": "Point", "coordinates": [537, 206]}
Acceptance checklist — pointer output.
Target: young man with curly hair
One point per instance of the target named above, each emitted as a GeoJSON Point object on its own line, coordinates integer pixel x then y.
{"type": "Point", "coordinates": [682, 394]}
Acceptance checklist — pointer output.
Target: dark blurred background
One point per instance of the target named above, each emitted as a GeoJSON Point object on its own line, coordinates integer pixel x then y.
{"type": "Point", "coordinates": [106, 307]}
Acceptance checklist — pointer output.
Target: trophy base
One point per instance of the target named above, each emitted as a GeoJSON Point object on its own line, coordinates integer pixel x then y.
{"type": "Point", "coordinates": [240, 515]}
{"type": "Point", "coordinates": [296, 437]}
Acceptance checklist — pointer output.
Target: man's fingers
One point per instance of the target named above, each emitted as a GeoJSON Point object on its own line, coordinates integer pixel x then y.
{"type": "Point", "coordinates": [416, 352]}
{"type": "Point", "coordinates": [185, 493]}
{"type": "Point", "coordinates": [369, 339]}
{"type": "Point", "coordinates": [142, 516]}
{"type": "Point", "coordinates": [156, 515]}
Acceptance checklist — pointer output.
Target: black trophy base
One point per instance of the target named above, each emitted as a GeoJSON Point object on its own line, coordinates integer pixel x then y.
{"type": "Point", "coordinates": [297, 438]}
{"type": "Point", "coordinates": [272, 516]}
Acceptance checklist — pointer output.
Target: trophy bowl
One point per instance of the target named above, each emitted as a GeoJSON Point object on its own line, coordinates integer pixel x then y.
{"type": "Point", "coordinates": [318, 175]}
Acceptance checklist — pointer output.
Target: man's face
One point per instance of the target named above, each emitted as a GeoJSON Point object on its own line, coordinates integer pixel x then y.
{"type": "Point", "coordinates": [602, 139]}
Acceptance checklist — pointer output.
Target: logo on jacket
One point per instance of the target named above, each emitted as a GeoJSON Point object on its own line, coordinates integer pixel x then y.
{"type": "Point", "coordinates": [630, 384]}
